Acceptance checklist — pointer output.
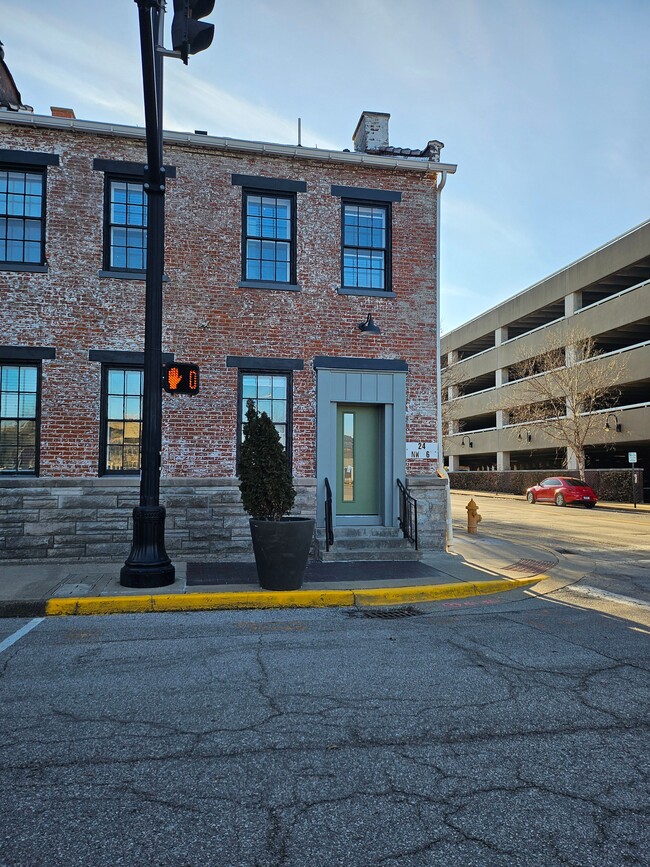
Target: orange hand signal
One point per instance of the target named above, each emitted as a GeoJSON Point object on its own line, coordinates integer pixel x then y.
{"type": "Point", "coordinates": [173, 377]}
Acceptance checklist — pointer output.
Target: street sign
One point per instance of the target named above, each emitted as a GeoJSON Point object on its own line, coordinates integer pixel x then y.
{"type": "Point", "coordinates": [419, 451]}
{"type": "Point", "coordinates": [181, 378]}
{"type": "Point", "coordinates": [631, 457]}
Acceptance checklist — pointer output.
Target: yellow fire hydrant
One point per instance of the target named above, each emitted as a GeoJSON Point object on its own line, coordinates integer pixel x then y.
{"type": "Point", "coordinates": [473, 517]}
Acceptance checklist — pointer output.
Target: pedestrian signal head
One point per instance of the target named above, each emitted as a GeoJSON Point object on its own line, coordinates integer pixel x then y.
{"type": "Point", "coordinates": [181, 378]}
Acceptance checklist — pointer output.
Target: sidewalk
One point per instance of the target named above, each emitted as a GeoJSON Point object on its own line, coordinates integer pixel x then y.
{"type": "Point", "coordinates": [617, 507]}
{"type": "Point", "coordinates": [479, 566]}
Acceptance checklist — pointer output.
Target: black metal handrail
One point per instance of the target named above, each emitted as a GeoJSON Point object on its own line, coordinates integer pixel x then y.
{"type": "Point", "coordinates": [408, 515]}
{"type": "Point", "coordinates": [329, 524]}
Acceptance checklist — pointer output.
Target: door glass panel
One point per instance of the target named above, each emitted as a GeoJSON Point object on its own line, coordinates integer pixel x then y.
{"type": "Point", "coordinates": [348, 457]}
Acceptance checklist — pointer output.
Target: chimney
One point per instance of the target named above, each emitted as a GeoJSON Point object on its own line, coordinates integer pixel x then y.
{"type": "Point", "coordinates": [62, 112]}
{"type": "Point", "coordinates": [372, 131]}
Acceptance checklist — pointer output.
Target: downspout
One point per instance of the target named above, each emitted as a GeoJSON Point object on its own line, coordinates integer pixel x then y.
{"type": "Point", "coordinates": [442, 473]}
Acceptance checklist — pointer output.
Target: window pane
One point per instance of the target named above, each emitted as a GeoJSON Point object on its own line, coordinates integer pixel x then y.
{"type": "Point", "coordinates": [134, 382]}
{"type": "Point", "coordinates": [115, 432]}
{"type": "Point", "coordinates": [116, 382]}
{"type": "Point", "coordinates": [132, 407]}
{"type": "Point", "coordinates": [9, 405]}
{"type": "Point", "coordinates": [249, 386]}
{"type": "Point", "coordinates": [279, 411]}
{"type": "Point", "coordinates": [253, 269]}
{"type": "Point", "coordinates": [264, 387]}
{"type": "Point", "coordinates": [279, 388]}
{"type": "Point", "coordinates": [27, 406]}
{"type": "Point", "coordinates": [264, 406]}
{"type": "Point", "coordinates": [115, 407]}
{"type": "Point", "coordinates": [282, 272]}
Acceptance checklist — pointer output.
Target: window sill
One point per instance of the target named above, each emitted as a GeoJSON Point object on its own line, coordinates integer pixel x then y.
{"type": "Point", "coordinates": [269, 284]}
{"type": "Point", "coordinates": [24, 266]}
{"type": "Point", "coordinates": [372, 293]}
{"type": "Point", "coordinates": [128, 275]}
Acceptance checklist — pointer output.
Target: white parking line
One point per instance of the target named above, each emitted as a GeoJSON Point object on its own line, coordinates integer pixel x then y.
{"type": "Point", "coordinates": [585, 590]}
{"type": "Point", "coordinates": [6, 644]}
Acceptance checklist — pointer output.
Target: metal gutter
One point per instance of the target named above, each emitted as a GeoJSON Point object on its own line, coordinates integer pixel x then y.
{"type": "Point", "coordinates": [208, 142]}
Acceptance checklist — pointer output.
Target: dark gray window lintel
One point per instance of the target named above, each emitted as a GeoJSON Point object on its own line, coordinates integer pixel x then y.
{"type": "Point", "coordinates": [27, 353]}
{"type": "Point", "coordinates": [367, 194]}
{"type": "Point", "coordinates": [123, 356]}
{"type": "Point", "coordinates": [341, 363]}
{"type": "Point", "coordinates": [257, 182]}
{"type": "Point", "coordinates": [123, 167]}
{"type": "Point", "coordinates": [28, 158]}
{"type": "Point", "coordinates": [250, 362]}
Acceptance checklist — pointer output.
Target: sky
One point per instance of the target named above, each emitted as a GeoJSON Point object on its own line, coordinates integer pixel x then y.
{"type": "Point", "coordinates": [542, 104]}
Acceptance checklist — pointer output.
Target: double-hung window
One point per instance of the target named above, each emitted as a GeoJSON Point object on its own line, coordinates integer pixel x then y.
{"type": "Point", "coordinates": [23, 184]}
{"type": "Point", "coordinates": [125, 218]}
{"type": "Point", "coordinates": [19, 412]}
{"type": "Point", "coordinates": [366, 240]}
{"type": "Point", "coordinates": [126, 225]}
{"type": "Point", "coordinates": [269, 231]}
{"type": "Point", "coordinates": [121, 432]}
{"type": "Point", "coordinates": [365, 246]}
{"type": "Point", "coordinates": [22, 216]}
{"type": "Point", "coordinates": [268, 382]}
{"type": "Point", "coordinates": [270, 237]}
{"type": "Point", "coordinates": [271, 394]}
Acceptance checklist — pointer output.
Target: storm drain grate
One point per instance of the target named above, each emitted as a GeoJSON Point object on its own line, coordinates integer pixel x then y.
{"type": "Point", "coordinates": [386, 613]}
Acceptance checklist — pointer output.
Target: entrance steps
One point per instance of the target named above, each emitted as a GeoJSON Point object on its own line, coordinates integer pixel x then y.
{"type": "Point", "coordinates": [365, 543]}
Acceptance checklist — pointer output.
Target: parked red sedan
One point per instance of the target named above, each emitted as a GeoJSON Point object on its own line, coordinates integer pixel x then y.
{"type": "Point", "coordinates": [562, 491]}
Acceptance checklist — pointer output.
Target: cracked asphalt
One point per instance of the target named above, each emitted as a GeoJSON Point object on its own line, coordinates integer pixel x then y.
{"type": "Point", "coordinates": [487, 732]}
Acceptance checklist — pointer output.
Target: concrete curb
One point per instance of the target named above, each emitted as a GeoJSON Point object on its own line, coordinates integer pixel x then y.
{"type": "Point", "coordinates": [261, 599]}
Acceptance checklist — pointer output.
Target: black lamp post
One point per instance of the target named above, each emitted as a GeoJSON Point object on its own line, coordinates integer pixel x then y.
{"type": "Point", "coordinates": [148, 564]}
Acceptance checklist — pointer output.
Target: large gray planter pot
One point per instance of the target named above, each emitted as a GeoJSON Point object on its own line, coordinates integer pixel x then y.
{"type": "Point", "coordinates": [281, 551]}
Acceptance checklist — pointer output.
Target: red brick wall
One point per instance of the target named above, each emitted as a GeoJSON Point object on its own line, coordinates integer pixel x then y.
{"type": "Point", "coordinates": [206, 315]}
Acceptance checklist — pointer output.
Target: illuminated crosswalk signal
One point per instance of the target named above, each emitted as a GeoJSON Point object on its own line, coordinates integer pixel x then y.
{"type": "Point", "coordinates": [181, 378]}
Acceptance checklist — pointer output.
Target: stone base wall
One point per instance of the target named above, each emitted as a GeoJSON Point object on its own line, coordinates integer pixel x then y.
{"type": "Point", "coordinates": [431, 495]}
{"type": "Point", "coordinates": [91, 519]}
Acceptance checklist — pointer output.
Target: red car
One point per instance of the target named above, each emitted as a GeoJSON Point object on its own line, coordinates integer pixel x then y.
{"type": "Point", "coordinates": [562, 491]}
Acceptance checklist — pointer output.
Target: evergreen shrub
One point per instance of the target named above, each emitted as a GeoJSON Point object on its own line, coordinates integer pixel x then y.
{"type": "Point", "coordinates": [266, 484]}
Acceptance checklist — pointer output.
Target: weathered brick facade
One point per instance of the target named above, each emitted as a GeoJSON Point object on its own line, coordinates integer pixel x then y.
{"type": "Point", "coordinates": [207, 315]}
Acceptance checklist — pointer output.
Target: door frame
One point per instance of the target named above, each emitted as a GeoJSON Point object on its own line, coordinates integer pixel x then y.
{"type": "Point", "coordinates": [373, 381]}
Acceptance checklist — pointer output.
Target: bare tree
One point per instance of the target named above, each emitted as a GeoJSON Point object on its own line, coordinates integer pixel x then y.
{"type": "Point", "coordinates": [563, 391]}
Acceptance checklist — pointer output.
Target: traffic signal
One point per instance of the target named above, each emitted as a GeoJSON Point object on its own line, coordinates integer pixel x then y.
{"type": "Point", "coordinates": [189, 34]}
{"type": "Point", "coordinates": [181, 378]}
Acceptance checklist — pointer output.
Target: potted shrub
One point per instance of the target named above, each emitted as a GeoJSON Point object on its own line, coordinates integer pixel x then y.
{"type": "Point", "coordinates": [280, 543]}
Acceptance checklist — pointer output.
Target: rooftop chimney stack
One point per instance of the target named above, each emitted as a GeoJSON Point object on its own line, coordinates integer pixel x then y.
{"type": "Point", "coordinates": [371, 132]}
{"type": "Point", "coordinates": [57, 111]}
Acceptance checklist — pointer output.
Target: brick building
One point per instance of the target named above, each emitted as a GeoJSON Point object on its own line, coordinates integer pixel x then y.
{"type": "Point", "coordinates": [275, 254]}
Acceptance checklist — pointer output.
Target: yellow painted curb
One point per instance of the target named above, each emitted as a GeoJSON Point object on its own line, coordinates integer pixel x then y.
{"type": "Point", "coordinates": [281, 599]}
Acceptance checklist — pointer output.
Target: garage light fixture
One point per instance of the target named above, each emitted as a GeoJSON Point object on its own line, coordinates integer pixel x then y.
{"type": "Point", "coordinates": [617, 427]}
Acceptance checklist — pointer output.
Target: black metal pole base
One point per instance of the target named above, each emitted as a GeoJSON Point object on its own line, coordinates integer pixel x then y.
{"type": "Point", "coordinates": [148, 564]}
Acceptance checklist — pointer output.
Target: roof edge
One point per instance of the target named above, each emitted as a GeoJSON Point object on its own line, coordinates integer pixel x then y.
{"type": "Point", "coordinates": [221, 143]}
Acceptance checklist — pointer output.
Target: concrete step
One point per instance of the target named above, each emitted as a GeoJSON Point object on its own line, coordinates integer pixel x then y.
{"type": "Point", "coordinates": [333, 556]}
{"type": "Point", "coordinates": [363, 532]}
{"type": "Point", "coordinates": [365, 543]}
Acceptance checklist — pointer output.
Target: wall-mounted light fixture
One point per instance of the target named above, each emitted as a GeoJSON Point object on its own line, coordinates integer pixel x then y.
{"type": "Point", "coordinates": [617, 427]}
{"type": "Point", "coordinates": [369, 326]}
{"type": "Point", "coordinates": [469, 442]}
{"type": "Point", "coordinates": [525, 433]}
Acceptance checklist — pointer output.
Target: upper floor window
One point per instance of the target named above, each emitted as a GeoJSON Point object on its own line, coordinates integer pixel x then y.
{"type": "Point", "coordinates": [22, 216]}
{"type": "Point", "coordinates": [366, 246]}
{"type": "Point", "coordinates": [126, 225]}
{"type": "Point", "coordinates": [121, 432]}
{"type": "Point", "coordinates": [269, 237]}
{"type": "Point", "coordinates": [19, 409]}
